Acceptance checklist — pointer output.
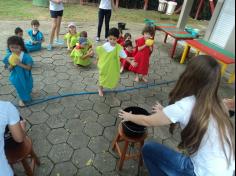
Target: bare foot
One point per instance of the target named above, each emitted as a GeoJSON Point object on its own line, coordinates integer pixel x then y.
{"type": "Point", "coordinates": [21, 103]}
{"type": "Point", "coordinates": [136, 79]}
{"type": "Point", "coordinates": [144, 79]}
{"type": "Point", "coordinates": [100, 92]}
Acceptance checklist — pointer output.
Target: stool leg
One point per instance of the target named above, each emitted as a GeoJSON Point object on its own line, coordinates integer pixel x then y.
{"type": "Point", "coordinates": [231, 78]}
{"type": "Point", "coordinates": [122, 158]}
{"type": "Point", "coordinates": [115, 140]}
{"type": "Point", "coordinates": [165, 38]}
{"type": "Point", "coordinates": [185, 53]}
{"type": "Point", "coordinates": [27, 168]}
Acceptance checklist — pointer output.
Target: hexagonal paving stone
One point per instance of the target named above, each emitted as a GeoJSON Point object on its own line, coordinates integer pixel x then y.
{"type": "Point", "coordinates": [58, 136]}
{"type": "Point", "coordinates": [51, 88]}
{"type": "Point", "coordinates": [112, 101]}
{"type": "Point", "coordinates": [71, 112]}
{"type": "Point", "coordinates": [101, 108]}
{"type": "Point", "coordinates": [54, 108]}
{"type": "Point", "coordinates": [62, 76]}
{"type": "Point", "coordinates": [110, 133]}
{"type": "Point", "coordinates": [60, 153]}
{"type": "Point", "coordinates": [93, 129]}
{"type": "Point", "coordinates": [38, 107]}
{"type": "Point", "coordinates": [74, 126]}
{"type": "Point", "coordinates": [59, 62]}
{"type": "Point", "coordinates": [79, 140]}
{"type": "Point", "coordinates": [38, 117]}
{"type": "Point", "coordinates": [64, 169]}
{"type": "Point", "coordinates": [42, 147]}
{"type": "Point", "coordinates": [7, 89]}
{"type": "Point", "coordinates": [172, 143]}
{"type": "Point", "coordinates": [45, 167]}
{"type": "Point", "coordinates": [64, 83]}
{"type": "Point", "coordinates": [162, 132]}
{"type": "Point", "coordinates": [138, 99]}
{"type": "Point", "coordinates": [105, 162]}
{"type": "Point", "coordinates": [82, 157]}
{"type": "Point", "coordinates": [107, 120]}
{"type": "Point", "coordinates": [96, 98]}
{"type": "Point", "coordinates": [69, 101]}
{"type": "Point", "coordinates": [39, 131]}
{"type": "Point", "coordinates": [25, 112]}
{"type": "Point", "coordinates": [60, 69]}
{"type": "Point", "coordinates": [99, 144]}
{"type": "Point", "coordinates": [88, 171]}
{"type": "Point", "coordinates": [56, 121]}
{"type": "Point", "coordinates": [50, 80]}
{"type": "Point", "coordinates": [85, 105]}
{"type": "Point", "coordinates": [88, 116]}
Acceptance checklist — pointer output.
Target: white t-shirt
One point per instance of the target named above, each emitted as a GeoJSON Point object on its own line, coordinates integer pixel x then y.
{"type": "Point", "coordinates": [105, 4]}
{"type": "Point", "coordinates": [107, 46]}
{"type": "Point", "coordinates": [9, 115]}
{"type": "Point", "coordinates": [209, 160]}
{"type": "Point", "coordinates": [56, 7]}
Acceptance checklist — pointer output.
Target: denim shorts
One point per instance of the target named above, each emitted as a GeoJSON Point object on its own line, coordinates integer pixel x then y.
{"type": "Point", "coordinates": [55, 14]}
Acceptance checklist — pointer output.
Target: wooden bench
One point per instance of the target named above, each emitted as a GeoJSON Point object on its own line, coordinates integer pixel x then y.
{"type": "Point", "coordinates": [224, 57]}
{"type": "Point", "coordinates": [176, 33]}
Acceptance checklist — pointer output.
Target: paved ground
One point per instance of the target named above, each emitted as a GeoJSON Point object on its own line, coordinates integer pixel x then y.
{"type": "Point", "coordinates": [73, 135]}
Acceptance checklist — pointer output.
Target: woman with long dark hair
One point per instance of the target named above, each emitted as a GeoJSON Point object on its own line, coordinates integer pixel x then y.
{"type": "Point", "coordinates": [207, 139]}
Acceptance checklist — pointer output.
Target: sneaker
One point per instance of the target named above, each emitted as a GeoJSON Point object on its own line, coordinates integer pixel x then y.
{"type": "Point", "coordinates": [97, 39]}
{"type": "Point", "coordinates": [59, 42]}
{"type": "Point", "coordinates": [49, 47]}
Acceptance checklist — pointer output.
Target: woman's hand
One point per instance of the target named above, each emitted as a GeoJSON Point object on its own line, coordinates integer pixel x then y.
{"type": "Point", "coordinates": [125, 116]}
{"type": "Point", "coordinates": [157, 108]}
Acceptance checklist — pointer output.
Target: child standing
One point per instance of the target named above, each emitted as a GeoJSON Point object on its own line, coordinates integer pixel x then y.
{"type": "Point", "coordinates": [128, 46]}
{"type": "Point", "coordinates": [20, 64]}
{"type": "Point", "coordinates": [36, 37]}
{"type": "Point", "coordinates": [143, 54]}
{"type": "Point", "coordinates": [56, 10]}
{"type": "Point", "coordinates": [109, 56]}
{"type": "Point", "coordinates": [82, 53]}
{"type": "Point", "coordinates": [71, 37]}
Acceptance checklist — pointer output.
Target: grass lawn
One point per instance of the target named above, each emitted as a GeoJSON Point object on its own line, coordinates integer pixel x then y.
{"type": "Point", "coordinates": [25, 10]}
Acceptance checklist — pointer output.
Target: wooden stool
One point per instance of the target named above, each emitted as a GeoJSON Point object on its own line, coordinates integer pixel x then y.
{"type": "Point", "coordinates": [121, 137]}
{"type": "Point", "coordinates": [23, 152]}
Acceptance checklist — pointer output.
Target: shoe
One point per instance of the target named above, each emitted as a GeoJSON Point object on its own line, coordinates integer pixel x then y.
{"type": "Point", "coordinates": [21, 103]}
{"type": "Point", "coordinates": [97, 39]}
{"type": "Point", "coordinates": [59, 42]}
{"type": "Point", "coordinates": [49, 47]}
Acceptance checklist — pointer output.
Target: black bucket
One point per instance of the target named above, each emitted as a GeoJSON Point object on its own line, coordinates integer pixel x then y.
{"type": "Point", "coordinates": [131, 129]}
{"type": "Point", "coordinates": [121, 26]}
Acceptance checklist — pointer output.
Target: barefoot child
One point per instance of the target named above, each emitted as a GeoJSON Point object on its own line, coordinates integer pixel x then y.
{"type": "Point", "coordinates": [109, 56]}
{"type": "Point", "coordinates": [36, 37]}
{"type": "Point", "coordinates": [20, 64]}
{"type": "Point", "coordinates": [143, 54]}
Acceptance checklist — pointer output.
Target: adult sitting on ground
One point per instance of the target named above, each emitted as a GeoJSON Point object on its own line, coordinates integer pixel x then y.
{"type": "Point", "coordinates": [9, 115]}
{"type": "Point", "coordinates": [207, 138]}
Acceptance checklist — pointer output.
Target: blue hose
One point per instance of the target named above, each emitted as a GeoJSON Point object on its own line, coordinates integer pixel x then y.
{"type": "Point", "coordinates": [39, 101]}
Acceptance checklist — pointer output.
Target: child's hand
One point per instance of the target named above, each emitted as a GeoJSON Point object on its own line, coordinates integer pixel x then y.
{"type": "Point", "coordinates": [17, 62]}
{"type": "Point", "coordinates": [134, 64]}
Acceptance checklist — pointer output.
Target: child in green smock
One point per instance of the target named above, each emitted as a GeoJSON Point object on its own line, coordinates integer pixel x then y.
{"type": "Point", "coordinates": [82, 53]}
{"type": "Point", "coordinates": [71, 37]}
{"type": "Point", "coordinates": [108, 64]}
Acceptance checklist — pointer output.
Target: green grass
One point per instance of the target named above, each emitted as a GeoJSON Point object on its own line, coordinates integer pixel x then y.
{"type": "Point", "coordinates": [25, 10]}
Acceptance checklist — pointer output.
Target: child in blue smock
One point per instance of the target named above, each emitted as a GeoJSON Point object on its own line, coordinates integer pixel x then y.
{"type": "Point", "coordinates": [36, 37]}
{"type": "Point", "coordinates": [19, 62]}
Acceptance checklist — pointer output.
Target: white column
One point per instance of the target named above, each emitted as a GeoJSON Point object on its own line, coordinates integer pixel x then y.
{"type": "Point", "coordinates": [184, 15]}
